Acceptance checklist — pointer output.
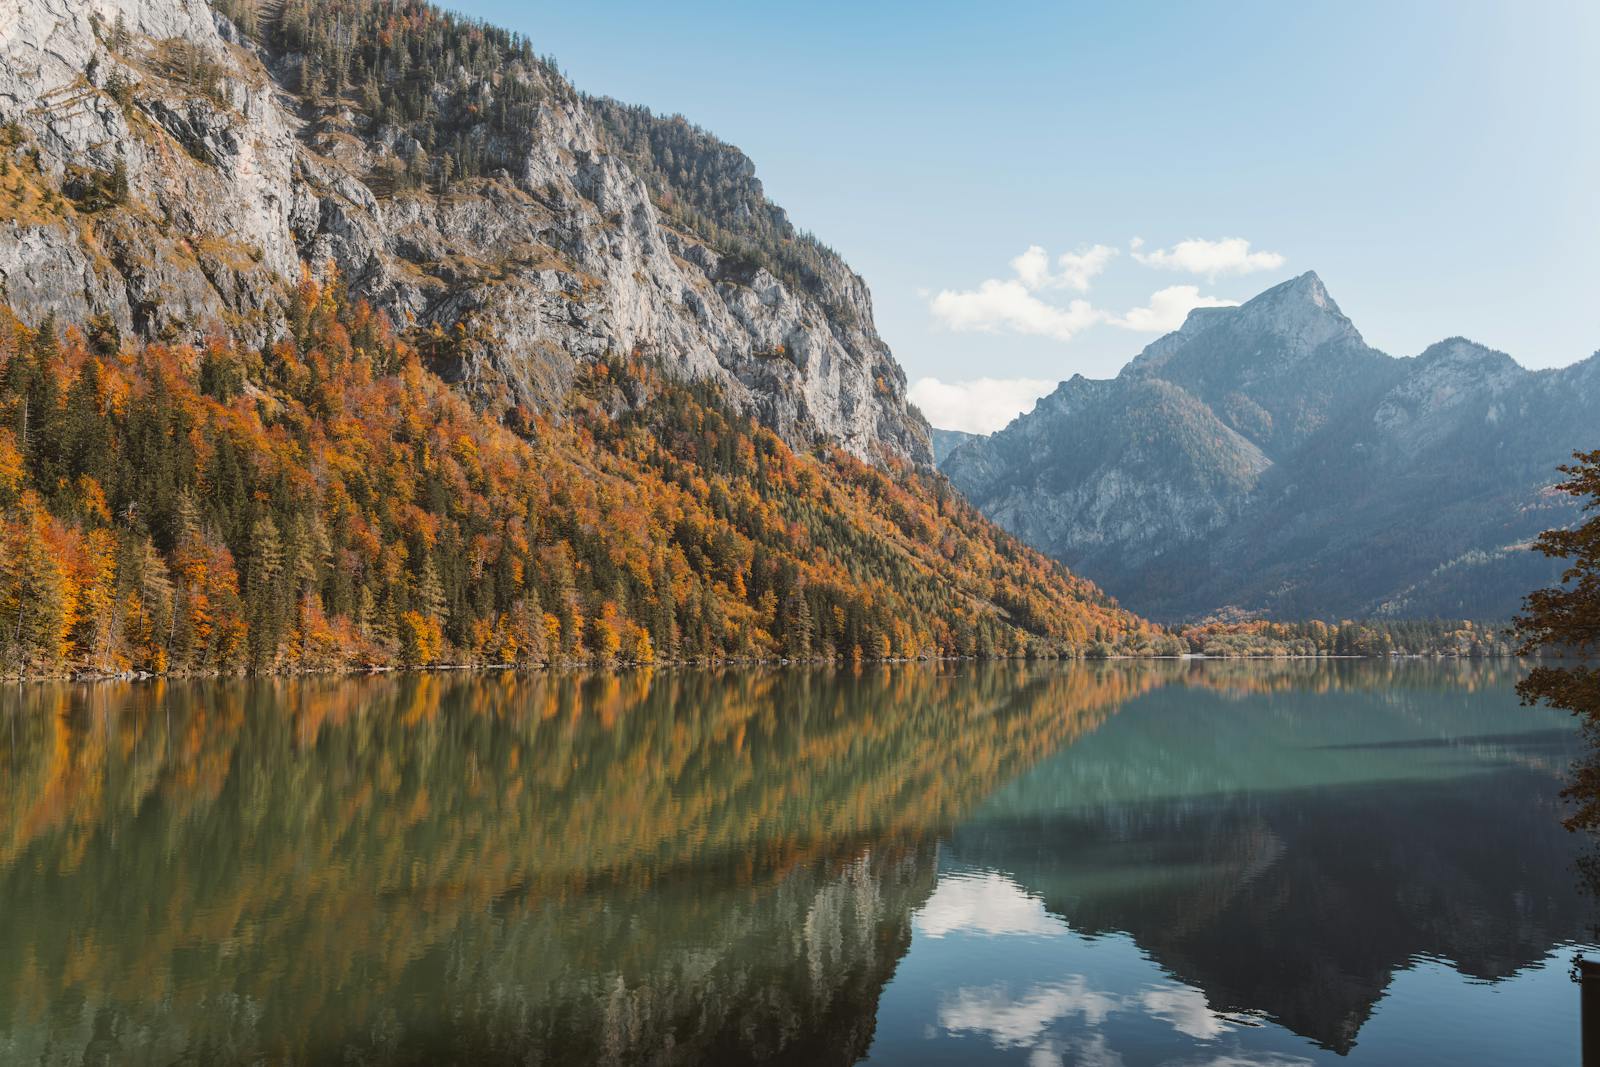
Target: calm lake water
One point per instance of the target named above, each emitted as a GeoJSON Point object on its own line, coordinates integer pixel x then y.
{"type": "Point", "coordinates": [1225, 864]}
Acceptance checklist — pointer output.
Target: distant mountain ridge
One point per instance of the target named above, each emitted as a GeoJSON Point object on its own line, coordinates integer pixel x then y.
{"type": "Point", "coordinates": [947, 441]}
{"type": "Point", "coordinates": [1264, 459]}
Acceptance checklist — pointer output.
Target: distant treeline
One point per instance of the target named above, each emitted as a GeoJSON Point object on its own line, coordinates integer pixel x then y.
{"type": "Point", "coordinates": [1405, 637]}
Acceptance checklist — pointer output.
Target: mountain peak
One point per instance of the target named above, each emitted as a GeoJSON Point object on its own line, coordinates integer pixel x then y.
{"type": "Point", "coordinates": [1299, 309]}
{"type": "Point", "coordinates": [1287, 321]}
{"type": "Point", "coordinates": [1305, 291]}
{"type": "Point", "coordinates": [1300, 312]}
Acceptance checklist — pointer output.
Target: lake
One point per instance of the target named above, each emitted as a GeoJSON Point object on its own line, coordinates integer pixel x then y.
{"type": "Point", "coordinates": [1120, 863]}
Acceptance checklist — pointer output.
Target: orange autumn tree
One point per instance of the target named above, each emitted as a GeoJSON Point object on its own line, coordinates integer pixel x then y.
{"type": "Point", "coordinates": [328, 503]}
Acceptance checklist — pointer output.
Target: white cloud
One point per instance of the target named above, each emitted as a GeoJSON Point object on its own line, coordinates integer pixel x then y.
{"type": "Point", "coordinates": [1231, 255]}
{"type": "Point", "coordinates": [1167, 309]}
{"type": "Point", "coordinates": [1021, 1020]}
{"type": "Point", "coordinates": [1074, 270]}
{"type": "Point", "coordinates": [1185, 1009]}
{"type": "Point", "coordinates": [1032, 267]}
{"type": "Point", "coordinates": [987, 903]}
{"type": "Point", "coordinates": [1091, 1051]}
{"type": "Point", "coordinates": [1034, 1019]}
{"type": "Point", "coordinates": [997, 306]}
{"type": "Point", "coordinates": [1009, 304]}
{"type": "Point", "coordinates": [982, 405]}
{"type": "Point", "coordinates": [1010, 1021]}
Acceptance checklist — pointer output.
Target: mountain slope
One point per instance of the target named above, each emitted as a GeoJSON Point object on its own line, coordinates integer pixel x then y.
{"type": "Point", "coordinates": [947, 441]}
{"type": "Point", "coordinates": [1265, 459]}
{"type": "Point", "coordinates": [350, 334]}
{"type": "Point", "coordinates": [189, 161]}
{"type": "Point", "coordinates": [327, 504]}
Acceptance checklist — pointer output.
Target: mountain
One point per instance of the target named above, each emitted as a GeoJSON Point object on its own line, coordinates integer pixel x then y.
{"type": "Point", "coordinates": [947, 441]}
{"type": "Point", "coordinates": [1264, 459]}
{"type": "Point", "coordinates": [191, 160]}
{"type": "Point", "coordinates": [350, 334]}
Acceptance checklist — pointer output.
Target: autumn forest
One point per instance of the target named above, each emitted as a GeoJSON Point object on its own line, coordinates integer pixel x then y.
{"type": "Point", "coordinates": [329, 504]}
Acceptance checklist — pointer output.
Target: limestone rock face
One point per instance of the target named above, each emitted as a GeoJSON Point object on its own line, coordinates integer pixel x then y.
{"type": "Point", "coordinates": [1265, 460]}
{"type": "Point", "coordinates": [234, 182]}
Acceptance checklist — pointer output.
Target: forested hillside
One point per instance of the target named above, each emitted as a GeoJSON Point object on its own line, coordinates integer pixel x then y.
{"type": "Point", "coordinates": [351, 334]}
{"type": "Point", "coordinates": [327, 503]}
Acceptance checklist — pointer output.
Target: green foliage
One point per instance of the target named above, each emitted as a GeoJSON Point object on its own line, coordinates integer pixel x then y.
{"type": "Point", "coordinates": [1564, 620]}
{"type": "Point", "coordinates": [469, 93]}
{"type": "Point", "coordinates": [95, 190]}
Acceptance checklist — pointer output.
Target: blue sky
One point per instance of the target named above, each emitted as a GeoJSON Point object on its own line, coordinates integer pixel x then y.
{"type": "Point", "coordinates": [1438, 164]}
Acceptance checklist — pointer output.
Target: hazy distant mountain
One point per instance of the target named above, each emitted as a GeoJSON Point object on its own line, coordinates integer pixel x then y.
{"type": "Point", "coordinates": [947, 441]}
{"type": "Point", "coordinates": [1265, 458]}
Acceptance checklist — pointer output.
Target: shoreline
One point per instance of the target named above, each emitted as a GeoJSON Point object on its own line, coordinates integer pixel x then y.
{"type": "Point", "coordinates": [582, 667]}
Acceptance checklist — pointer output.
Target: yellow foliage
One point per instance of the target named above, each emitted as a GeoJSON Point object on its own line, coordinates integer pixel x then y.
{"type": "Point", "coordinates": [421, 639]}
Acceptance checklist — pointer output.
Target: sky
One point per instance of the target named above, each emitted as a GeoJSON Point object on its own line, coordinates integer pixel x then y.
{"type": "Point", "coordinates": [1035, 190]}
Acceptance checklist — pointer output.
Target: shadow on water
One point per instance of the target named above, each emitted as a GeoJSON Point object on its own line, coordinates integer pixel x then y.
{"type": "Point", "coordinates": [687, 867]}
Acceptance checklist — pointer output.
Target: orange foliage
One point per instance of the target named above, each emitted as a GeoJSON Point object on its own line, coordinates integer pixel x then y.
{"type": "Point", "coordinates": [327, 503]}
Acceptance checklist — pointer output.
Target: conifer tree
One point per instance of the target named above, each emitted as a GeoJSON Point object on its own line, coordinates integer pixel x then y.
{"type": "Point", "coordinates": [1564, 620]}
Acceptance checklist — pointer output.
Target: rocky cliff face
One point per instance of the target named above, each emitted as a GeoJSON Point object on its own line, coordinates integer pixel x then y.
{"type": "Point", "coordinates": [184, 170]}
{"type": "Point", "coordinates": [1265, 459]}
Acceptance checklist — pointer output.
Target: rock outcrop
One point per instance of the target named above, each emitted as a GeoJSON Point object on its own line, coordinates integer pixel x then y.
{"type": "Point", "coordinates": [183, 175]}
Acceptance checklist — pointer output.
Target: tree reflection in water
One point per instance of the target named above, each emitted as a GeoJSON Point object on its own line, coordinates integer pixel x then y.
{"type": "Point", "coordinates": [685, 867]}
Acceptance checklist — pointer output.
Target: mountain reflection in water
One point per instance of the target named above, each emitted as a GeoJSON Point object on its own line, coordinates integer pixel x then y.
{"type": "Point", "coordinates": [1064, 863]}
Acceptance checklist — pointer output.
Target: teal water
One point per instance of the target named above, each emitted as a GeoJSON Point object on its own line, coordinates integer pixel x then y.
{"type": "Point", "coordinates": [1159, 863]}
